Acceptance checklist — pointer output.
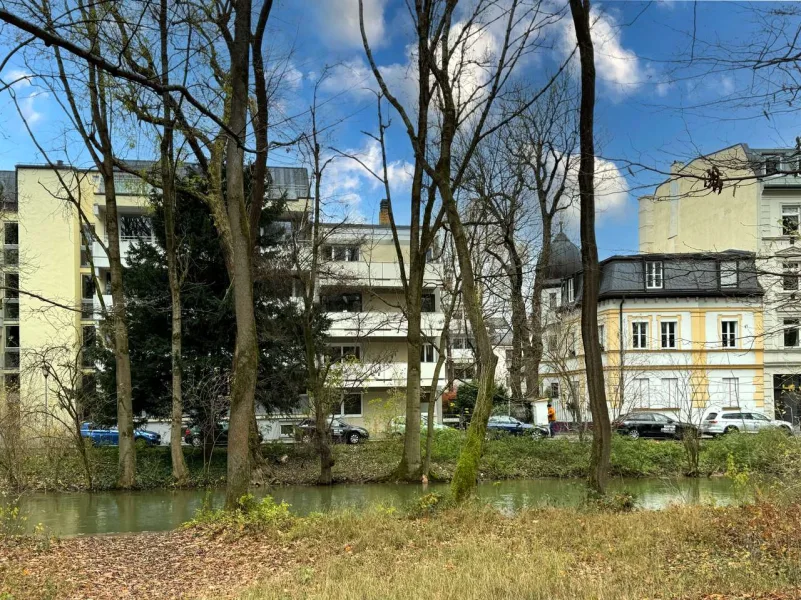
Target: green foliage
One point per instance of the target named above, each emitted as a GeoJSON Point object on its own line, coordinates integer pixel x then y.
{"type": "Point", "coordinates": [646, 458]}
{"type": "Point", "coordinates": [621, 502]}
{"type": "Point", "coordinates": [467, 393]}
{"type": "Point", "coordinates": [425, 505]}
{"type": "Point", "coordinates": [768, 452]}
{"type": "Point", "coordinates": [14, 528]}
{"type": "Point", "coordinates": [249, 516]}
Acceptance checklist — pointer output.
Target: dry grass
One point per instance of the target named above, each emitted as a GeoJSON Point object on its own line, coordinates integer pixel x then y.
{"type": "Point", "coordinates": [549, 554]}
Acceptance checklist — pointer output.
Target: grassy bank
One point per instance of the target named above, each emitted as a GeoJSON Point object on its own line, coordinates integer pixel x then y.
{"type": "Point", "coordinates": [505, 458]}
{"type": "Point", "coordinates": [470, 552]}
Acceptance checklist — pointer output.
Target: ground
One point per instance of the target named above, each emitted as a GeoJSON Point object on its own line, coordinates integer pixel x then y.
{"type": "Point", "coordinates": [469, 552]}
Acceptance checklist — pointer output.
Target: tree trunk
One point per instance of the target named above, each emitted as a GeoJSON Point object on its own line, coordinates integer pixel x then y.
{"type": "Point", "coordinates": [464, 477]}
{"type": "Point", "coordinates": [180, 473]}
{"type": "Point", "coordinates": [520, 329]}
{"type": "Point", "coordinates": [537, 345]}
{"type": "Point", "coordinates": [322, 442]}
{"type": "Point", "coordinates": [243, 387]}
{"type": "Point", "coordinates": [601, 439]}
{"type": "Point", "coordinates": [126, 478]}
{"type": "Point", "coordinates": [410, 466]}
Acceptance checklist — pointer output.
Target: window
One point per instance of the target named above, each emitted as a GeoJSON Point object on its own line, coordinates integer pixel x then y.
{"type": "Point", "coordinates": [11, 383]}
{"type": "Point", "coordinates": [11, 256]}
{"type": "Point", "coordinates": [343, 253]}
{"type": "Point", "coordinates": [791, 333]}
{"type": "Point", "coordinates": [572, 343]}
{"type": "Point", "coordinates": [790, 275]}
{"type": "Point", "coordinates": [11, 310]}
{"type": "Point", "coordinates": [351, 405]}
{"type": "Point", "coordinates": [430, 255]}
{"type": "Point", "coordinates": [601, 338]}
{"type": "Point", "coordinates": [731, 391]}
{"type": "Point", "coordinates": [428, 302]}
{"type": "Point", "coordinates": [728, 273]}
{"type": "Point", "coordinates": [554, 391]}
{"type": "Point", "coordinates": [348, 302]}
{"type": "Point", "coordinates": [552, 300]}
{"type": "Point", "coordinates": [11, 355]}
{"type": "Point", "coordinates": [639, 331]}
{"type": "Point", "coordinates": [107, 289]}
{"type": "Point", "coordinates": [89, 336]}
{"type": "Point", "coordinates": [287, 430]}
{"type": "Point", "coordinates": [12, 336]}
{"type": "Point", "coordinates": [87, 287]}
{"type": "Point", "coordinates": [728, 333]}
{"type": "Point", "coordinates": [428, 353]}
{"type": "Point", "coordinates": [653, 275]}
{"type": "Point", "coordinates": [771, 165]}
{"type": "Point", "coordinates": [135, 227]}
{"type": "Point", "coordinates": [641, 389]}
{"type": "Point", "coordinates": [345, 353]}
{"type": "Point", "coordinates": [464, 372]}
{"type": "Point", "coordinates": [670, 392]}
{"type": "Point", "coordinates": [571, 296]}
{"type": "Point", "coordinates": [11, 234]}
{"type": "Point", "coordinates": [552, 343]}
{"type": "Point", "coordinates": [790, 216]}
{"type": "Point", "coordinates": [461, 342]}
{"type": "Point", "coordinates": [510, 356]}
{"type": "Point", "coordinates": [12, 286]}
{"type": "Point", "coordinates": [668, 334]}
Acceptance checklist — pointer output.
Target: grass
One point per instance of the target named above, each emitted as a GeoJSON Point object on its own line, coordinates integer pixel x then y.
{"type": "Point", "coordinates": [505, 458]}
{"type": "Point", "coordinates": [475, 552]}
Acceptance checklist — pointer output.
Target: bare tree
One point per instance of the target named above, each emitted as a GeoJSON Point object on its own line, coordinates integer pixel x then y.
{"type": "Point", "coordinates": [602, 433]}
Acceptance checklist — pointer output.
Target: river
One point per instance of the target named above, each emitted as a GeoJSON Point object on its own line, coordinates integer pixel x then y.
{"type": "Point", "coordinates": [67, 514]}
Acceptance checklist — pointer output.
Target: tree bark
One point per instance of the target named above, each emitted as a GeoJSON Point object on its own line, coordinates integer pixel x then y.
{"type": "Point", "coordinates": [180, 473]}
{"type": "Point", "coordinates": [601, 439]}
{"type": "Point", "coordinates": [537, 346]}
{"type": "Point", "coordinates": [245, 366]}
{"type": "Point", "coordinates": [410, 465]}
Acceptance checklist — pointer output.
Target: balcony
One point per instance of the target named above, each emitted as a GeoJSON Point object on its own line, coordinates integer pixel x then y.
{"type": "Point", "coordinates": [390, 375]}
{"type": "Point", "coordinates": [101, 259]}
{"type": "Point", "coordinates": [372, 274]}
{"type": "Point", "coordinates": [380, 324]}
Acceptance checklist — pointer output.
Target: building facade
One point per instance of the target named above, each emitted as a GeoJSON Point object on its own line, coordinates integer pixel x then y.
{"type": "Point", "coordinates": [756, 207]}
{"type": "Point", "coordinates": [679, 333]}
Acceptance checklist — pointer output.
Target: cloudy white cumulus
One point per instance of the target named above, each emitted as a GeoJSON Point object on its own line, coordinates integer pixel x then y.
{"type": "Point", "coordinates": [27, 94]}
{"type": "Point", "coordinates": [337, 22]}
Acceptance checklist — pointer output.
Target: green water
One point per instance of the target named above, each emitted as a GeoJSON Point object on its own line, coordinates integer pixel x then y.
{"type": "Point", "coordinates": [67, 514]}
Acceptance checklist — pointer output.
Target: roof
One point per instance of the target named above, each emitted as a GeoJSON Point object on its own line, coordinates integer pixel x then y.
{"type": "Point", "coordinates": [565, 258]}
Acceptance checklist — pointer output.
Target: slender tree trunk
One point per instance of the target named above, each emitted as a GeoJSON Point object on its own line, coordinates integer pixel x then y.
{"type": "Point", "coordinates": [410, 466]}
{"type": "Point", "coordinates": [432, 395]}
{"type": "Point", "coordinates": [246, 356]}
{"type": "Point", "coordinates": [601, 439]}
{"type": "Point", "coordinates": [520, 329]}
{"type": "Point", "coordinates": [127, 458]}
{"type": "Point", "coordinates": [537, 345]}
{"type": "Point", "coordinates": [180, 473]}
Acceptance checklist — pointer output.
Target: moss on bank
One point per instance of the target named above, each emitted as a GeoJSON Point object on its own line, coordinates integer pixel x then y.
{"type": "Point", "coordinates": [504, 458]}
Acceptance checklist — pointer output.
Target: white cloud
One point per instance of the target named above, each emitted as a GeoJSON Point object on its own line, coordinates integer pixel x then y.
{"type": "Point", "coordinates": [611, 192]}
{"type": "Point", "coordinates": [337, 22]}
{"type": "Point", "coordinates": [26, 93]}
{"type": "Point", "coordinates": [349, 189]}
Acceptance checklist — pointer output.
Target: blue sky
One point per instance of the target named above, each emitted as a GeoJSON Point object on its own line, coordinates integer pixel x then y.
{"type": "Point", "coordinates": [647, 110]}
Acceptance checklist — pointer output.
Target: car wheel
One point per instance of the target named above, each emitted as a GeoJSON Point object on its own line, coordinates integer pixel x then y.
{"type": "Point", "coordinates": [354, 438]}
{"type": "Point", "coordinates": [634, 434]}
{"type": "Point", "coordinates": [537, 434]}
{"type": "Point", "coordinates": [731, 429]}
{"type": "Point", "coordinates": [196, 442]}
{"type": "Point", "coordinates": [786, 430]}
{"type": "Point", "coordinates": [305, 438]}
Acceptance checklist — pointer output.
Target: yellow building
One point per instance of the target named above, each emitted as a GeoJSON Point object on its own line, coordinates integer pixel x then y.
{"type": "Point", "coordinates": [756, 207]}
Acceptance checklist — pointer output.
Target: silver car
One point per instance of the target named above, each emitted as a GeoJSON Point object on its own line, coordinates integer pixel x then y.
{"type": "Point", "coordinates": [720, 422]}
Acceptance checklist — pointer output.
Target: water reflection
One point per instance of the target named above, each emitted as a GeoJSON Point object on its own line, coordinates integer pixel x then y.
{"type": "Point", "coordinates": [111, 512]}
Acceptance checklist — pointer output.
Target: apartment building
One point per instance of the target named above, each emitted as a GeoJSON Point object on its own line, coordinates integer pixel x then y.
{"type": "Point", "coordinates": [756, 208]}
{"type": "Point", "coordinates": [361, 292]}
{"type": "Point", "coordinates": [679, 333]}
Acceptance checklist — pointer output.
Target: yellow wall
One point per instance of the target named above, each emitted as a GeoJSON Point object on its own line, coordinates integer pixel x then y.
{"type": "Point", "coordinates": [704, 220]}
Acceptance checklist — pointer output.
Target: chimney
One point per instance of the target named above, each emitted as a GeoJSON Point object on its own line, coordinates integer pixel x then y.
{"type": "Point", "coordinates": [60, 163]}
{"type": "Point", "coordinates": [383, 213]}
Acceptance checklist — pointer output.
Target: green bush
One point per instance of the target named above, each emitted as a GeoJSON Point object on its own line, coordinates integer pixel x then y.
{"type": "Point", "coordinates": [646, 458]}
{"type": "Point", "coordinates": [249, 516]}
{"type": "Point", "coordinates": [768, 452]}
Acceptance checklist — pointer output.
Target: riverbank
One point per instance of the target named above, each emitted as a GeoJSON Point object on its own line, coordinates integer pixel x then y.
{"type": "Point", "coordinates": [505, 458]}
{"type": "Point", "coordinates": [469, 552]}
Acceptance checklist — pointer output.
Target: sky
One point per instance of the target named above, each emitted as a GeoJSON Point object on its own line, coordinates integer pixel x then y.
{"type": "Point", "coordinates": [652, 107]}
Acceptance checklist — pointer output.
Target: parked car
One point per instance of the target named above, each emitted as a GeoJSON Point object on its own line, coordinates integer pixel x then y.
{"type": "Point", "coordinates": [652, 425]}
{"type": "Point", "coordinates": [720, 422]}
{"type": "Point", "coordinates": [111, 436]}
{"type": "Point", "coordinates": [341, 431]}
{"type": "Point", "coordinates": [397, 425]}
{"type": "Point", "coordinates": [510, 425]}
{"type": "Point", "coordinates": [194, 436]}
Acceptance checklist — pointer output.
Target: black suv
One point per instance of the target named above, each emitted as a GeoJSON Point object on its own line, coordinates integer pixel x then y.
{"type": "Point", "coordinates": [194, 437]}
{"type": "Point", "coordinates": [340, 431]}
{"type": "Point", "coordinates": [652, 425]}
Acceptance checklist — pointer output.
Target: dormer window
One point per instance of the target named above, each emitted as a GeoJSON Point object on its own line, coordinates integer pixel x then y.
{"type": "Point", "coordinates": [343, 253]}
{"type": "Point", "coordinates": [728, 273]}
{"type": "Point", "coordinates": [772, 165]}
{"type": "Point", "coordinates": [570, 291]}
{"type": "Point", "coordinates": [653, 275]}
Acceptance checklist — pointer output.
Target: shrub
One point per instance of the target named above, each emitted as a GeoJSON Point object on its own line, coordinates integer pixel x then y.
{"type": "Point", "coordinates": [250, 515]}
{"type": "Point", "coordinates": [769, 452]}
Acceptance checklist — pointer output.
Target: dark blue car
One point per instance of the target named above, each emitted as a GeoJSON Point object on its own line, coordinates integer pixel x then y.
{"type": "Point", "coordinates": [111, 437]}
{"type": "Point", "coordinates": [510, 425]}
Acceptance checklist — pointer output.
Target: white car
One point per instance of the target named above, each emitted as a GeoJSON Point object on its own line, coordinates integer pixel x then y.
{"type": "Point", "coordinates": [397, 425]}
{"type": "Point", "coordinates": [722, 421]}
